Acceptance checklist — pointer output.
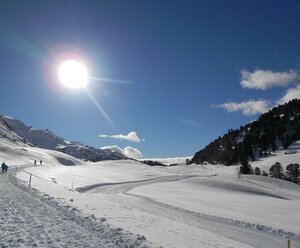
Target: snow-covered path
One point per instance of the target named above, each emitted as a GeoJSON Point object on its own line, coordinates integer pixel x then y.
{"type": "Point", "coordinates": [229, 233]}
{"type": "Point", "coordinates": [28, 219]}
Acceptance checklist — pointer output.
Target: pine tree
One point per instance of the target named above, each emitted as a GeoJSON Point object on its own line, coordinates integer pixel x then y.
{"type": "Point", "coordinates": [245, 167]}
{"type": "Point", "coordinates": [276, 170]}
{"type": "Point", "coordinates": [293, 172]}
{"type": "Point", "coordinates": [286, 141]}
{"type": "Point", "coordinates": [273, 145]}
{"type": "Point", "coordinates": [257, 171]}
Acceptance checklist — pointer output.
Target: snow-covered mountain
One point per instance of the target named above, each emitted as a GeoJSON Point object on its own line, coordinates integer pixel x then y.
{"type": "Point", "coordinates": [90, 153]}
{"type": "Point", "coordinates": [7, 134]}
{"type": "Point", "coordinates": [16, 131]}
{"type": "Point", "coordinates": [41, 138]}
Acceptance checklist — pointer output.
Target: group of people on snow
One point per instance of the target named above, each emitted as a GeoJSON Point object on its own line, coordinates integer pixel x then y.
{"type": "Point", "coordinates": [34, 162]}
{"type": "Point", "coordinates": [4, 167]}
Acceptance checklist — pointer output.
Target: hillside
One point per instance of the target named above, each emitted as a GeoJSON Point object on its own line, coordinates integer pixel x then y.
{"type": "Point", "coordinates": [277, 128]}
{"type": "Point", "coordinates": [16, 132]}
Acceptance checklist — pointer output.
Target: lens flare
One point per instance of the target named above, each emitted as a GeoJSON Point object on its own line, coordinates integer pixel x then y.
{"type": "Point", "coordinates": [104, 114]}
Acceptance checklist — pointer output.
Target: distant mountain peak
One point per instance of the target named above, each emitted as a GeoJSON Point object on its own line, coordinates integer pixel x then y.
{"type": "Point", "coordinates": [18, 131]}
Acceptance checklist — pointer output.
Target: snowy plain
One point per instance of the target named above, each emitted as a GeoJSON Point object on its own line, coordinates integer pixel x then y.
{"type": "Point", "coordinates": [178, 206]}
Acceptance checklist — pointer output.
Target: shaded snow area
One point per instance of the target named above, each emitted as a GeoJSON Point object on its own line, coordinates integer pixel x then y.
{"type": "Point", "coordinates": [179, 206]}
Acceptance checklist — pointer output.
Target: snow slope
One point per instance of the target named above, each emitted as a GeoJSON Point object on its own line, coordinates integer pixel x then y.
{"type": "Point", "coordinates": [42, 138]}
{"type": "Point", "coordinates": [16, 155]}
{"type": "Point", "coordinates": [182, 206]}
{"type": "Point", "coordinates": [14, 150]}
{"type": "Point", "coordinates": [282, 156]}
{"type": "Point", "coordinates": [7, 134]}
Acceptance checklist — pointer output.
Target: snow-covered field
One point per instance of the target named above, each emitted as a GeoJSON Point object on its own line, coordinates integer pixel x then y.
{"type": "Point", "coordinates": [118, 203]}
{"type": "Point", "coordinates": [182, 206]}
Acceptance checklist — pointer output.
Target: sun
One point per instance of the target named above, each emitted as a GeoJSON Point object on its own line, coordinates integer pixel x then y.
{"type": "Point", "coordinates": [73, 74]}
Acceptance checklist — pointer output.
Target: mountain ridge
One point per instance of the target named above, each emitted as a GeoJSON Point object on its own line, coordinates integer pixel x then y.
{"type": "Point", "coordinates": [278, 127]}
{"type": "Point", "coordinates": [16, 131]}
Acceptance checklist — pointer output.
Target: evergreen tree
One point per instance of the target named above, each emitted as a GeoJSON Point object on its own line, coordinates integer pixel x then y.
{"type": "Point", "coordinates": [257, 171]}
{"type": "Point", "coordinates": [293, 172]}
{"type": "Point", "coordinates": [276, 170]}
{"type": "Point", "coordinates": [245, 167]}
{"type": "Point", "coordinates": [286, 141]}
{"type": "Point", "coordinates": [273, 145]}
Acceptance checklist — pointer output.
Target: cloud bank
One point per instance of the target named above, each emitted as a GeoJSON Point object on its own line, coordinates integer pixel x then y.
{"type": "Point", "coordinates": [265, 79]}
{"type": "Point", "coordinates": [250, 107]}
{"type": "Point", "coordinates": [128, 151]}
{"type": "Point", "coordinates": [131, 136]}
{"type": "Point", "coordinates": [262, 80]}
{"type": "Point", "coordinates": [132, 152]}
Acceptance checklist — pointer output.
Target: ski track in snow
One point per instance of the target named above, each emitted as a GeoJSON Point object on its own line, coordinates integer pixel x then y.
{"type": "Point", "coordinates": [28, 219]}
{"type": "Point", "coordinates": [124, 187]}
{"type": "Point", "coordinates": [249, 234]}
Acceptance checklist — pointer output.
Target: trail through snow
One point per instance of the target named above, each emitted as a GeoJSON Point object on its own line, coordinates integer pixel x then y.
{"type": "Point", "coordinates": [29, 219]}
{"type": "Point", "coordinates": [232, 233]}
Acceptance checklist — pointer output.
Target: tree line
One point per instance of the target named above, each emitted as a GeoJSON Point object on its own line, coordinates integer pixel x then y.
{"type": "Point", "coordinates": [277, 128]}
{"type": "Point", "coordinates": [292, 171]}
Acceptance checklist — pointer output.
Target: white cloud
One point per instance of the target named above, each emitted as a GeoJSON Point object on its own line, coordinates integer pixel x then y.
{"type": "Point", "coordinates": [251, 107]}
{"type": "Point", "coordinates": [290, 94]}
{"type": "Point", "coordinates": [264, 79]}
{"type": "Point", "coordinates": [132, 152]}
{"type": "Point", "coordinates": [103, 136]}
{"type": "Point", "coordinates": [128, 151]}
{"type": "Point", "coordinates": [131, 136]}
{"type": "Point", "coordinates": [113, 148]}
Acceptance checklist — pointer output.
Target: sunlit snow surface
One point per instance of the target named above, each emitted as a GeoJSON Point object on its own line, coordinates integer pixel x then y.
{"type": "Point", "coordinates": [180, 206]}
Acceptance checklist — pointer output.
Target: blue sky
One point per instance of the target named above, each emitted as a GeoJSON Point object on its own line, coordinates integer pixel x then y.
{"type": "Point", "coordinates": [198, 68]}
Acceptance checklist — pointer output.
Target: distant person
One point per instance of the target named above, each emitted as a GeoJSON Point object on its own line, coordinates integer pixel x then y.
{"type": "Point", "coordinates": [34, 163]}
{"type": "Point", "coordinates": [41, 162]}
{"type": "Point", "coordinates": [4, 167]}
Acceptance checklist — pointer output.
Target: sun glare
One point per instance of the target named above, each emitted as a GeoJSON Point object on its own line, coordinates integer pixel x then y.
{"type": "Point", "coordinates": [73, 74]}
